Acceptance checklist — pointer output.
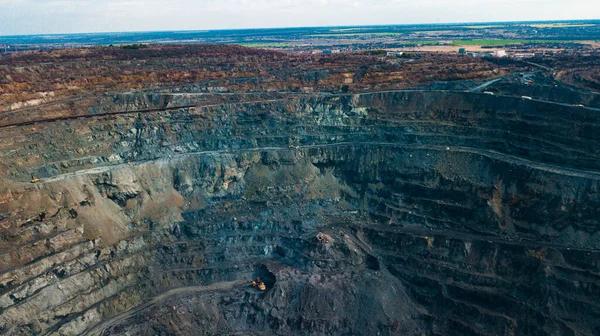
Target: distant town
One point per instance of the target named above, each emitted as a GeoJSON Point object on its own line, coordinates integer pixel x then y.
{"type": "Point", "coordinates": [505, 39]}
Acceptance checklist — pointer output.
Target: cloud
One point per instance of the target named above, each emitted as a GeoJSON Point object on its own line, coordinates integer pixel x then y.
{"type": "Point", "coordinates": [66, 16]}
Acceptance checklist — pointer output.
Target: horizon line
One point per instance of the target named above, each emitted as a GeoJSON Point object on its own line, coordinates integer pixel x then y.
{"type": "Point", "coordinates": [298, 27]}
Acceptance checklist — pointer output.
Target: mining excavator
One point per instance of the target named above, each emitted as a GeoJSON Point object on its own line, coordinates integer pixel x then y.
{"type": "Point", "coordinates": [258, 284]}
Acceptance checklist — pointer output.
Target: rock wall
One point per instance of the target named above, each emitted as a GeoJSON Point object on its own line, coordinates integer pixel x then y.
{"type": "Point", "coordinates": [388, 213]}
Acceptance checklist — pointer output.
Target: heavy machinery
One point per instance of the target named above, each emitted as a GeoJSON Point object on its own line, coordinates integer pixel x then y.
{"type": "Point", "coordinates": [323, 238]}
{"type": "Point", "coordinates": [35, 180]}
{"type": "Point", "coordinates": [258, 284]}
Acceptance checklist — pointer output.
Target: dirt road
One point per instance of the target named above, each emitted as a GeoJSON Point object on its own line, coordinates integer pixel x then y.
{"type": "Point", "coordinates": [221, 286]}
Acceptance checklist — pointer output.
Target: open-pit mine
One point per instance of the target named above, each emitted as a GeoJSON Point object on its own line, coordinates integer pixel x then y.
{"type": "Point", "coordinates": [219, 190]}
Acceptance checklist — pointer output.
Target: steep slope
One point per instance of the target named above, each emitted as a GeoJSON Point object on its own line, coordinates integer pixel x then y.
{"type": "Point", "coordinates": [400, 212]}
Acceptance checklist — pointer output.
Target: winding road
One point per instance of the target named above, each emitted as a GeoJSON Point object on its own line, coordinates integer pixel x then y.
{"type": "Point", "coordinates": [221, 286]}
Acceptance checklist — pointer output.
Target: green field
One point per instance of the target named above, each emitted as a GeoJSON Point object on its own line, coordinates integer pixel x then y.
{"type": "Point", "coordinates": [482, 42]}
{"type": "Point", "coordinates": [486, 42]}
{"type": "Point", "coordinates": [420, 42]}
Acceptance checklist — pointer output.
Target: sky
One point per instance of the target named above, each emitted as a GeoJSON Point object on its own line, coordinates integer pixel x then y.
{"type": "Point", "coordinates": [82, 16]}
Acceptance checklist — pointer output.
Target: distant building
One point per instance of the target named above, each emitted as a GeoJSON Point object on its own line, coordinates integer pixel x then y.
{"type": "Point", "coordinates": [326, 52]}
{"type": "Point", "coordinates": [499, 53]}
{"type": "Point", "coordinates": [462, 51]}
{"type": "Point", "coordinates": [524, 55]}
{"type": "Point", "coordinates": [480, 54]}
{"type": "Point", "coordinates": [336, 51]}
{"type": "Point", "coordinates": [394, 53]}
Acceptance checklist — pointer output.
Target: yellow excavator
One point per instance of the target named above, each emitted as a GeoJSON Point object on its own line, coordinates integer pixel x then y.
{"type": "Point", "coordinates": [35, 180]}
{"type": "Point", "coordinates": [258, 284]}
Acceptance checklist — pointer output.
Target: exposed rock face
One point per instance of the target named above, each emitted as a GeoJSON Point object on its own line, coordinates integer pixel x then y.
{"type": "Point", "coordinates": [393, 213]}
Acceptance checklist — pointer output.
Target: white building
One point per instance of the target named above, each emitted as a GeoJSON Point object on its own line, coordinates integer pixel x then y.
{"type": "Point", "coordinates": [524, 55]}
{"type": "Point", "coordinates": [499, 53]}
